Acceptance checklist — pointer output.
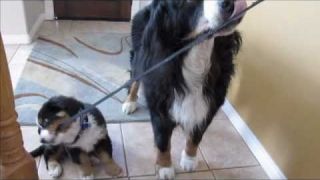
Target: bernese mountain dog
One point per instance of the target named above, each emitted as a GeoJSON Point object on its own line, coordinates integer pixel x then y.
{"type": "Point", "coordinates": [189, 90]}
{"type": "Point", "coordinates": [81, 141]}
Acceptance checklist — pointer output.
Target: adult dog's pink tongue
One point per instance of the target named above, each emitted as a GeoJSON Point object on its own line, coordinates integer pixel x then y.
{"type": "Point", "coordinates": [239, 6]}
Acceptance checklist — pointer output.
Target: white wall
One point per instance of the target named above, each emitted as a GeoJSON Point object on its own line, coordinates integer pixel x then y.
{"type": "Point", "coordinates": [137, 5]}
{"type": "Point", "coordinates": [20, 20]}
{"type": "Point", "coordinates": [12, 17]}
{"type": "Point", "coordinates": [33, 9]}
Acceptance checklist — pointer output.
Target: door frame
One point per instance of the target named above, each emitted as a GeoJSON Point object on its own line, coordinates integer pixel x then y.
{"type": "Point", "coordinates": [49, 9]}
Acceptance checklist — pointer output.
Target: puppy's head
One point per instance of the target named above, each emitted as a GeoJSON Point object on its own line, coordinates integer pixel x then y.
{"type": "Point", "coordinates": [52, 115]}
{"type": "Point", "coordinates": [195, 16]}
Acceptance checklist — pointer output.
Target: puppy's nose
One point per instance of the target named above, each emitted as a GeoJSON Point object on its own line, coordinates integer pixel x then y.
{"type": "Point", "coordinates": [42, 140]}
{"type": "Point", "coordinates": [227, 7]}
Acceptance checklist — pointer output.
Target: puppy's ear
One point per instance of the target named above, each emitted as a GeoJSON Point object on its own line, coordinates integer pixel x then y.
{"type": "Point", "coordinates": [55, 104]}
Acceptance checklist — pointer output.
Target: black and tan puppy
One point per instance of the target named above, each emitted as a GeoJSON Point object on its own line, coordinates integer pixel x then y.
{"type": "Point", "coordinates": [85, 138]}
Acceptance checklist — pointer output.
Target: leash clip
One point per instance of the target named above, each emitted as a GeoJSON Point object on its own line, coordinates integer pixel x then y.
{"type": "Point", "coordinates": [84, 122]}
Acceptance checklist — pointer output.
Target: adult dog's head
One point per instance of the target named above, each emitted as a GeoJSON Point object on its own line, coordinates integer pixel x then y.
{"type": "Point", "coordinates": [188, 18]}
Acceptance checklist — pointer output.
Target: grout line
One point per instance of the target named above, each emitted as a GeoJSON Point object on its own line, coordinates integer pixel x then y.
{"type": "Point", "coordinates": [124, 150]}
{"type": "Point", "coordinates": [15, 52]}
{"type": "Point", "coordinates": [144, 175]}
{"type": "Point", "coordinates": [38, 167]}
{"type": "Point", "coordinates": [39, 162]}
{"type": "Point", "coordinates": [204, 158]}
{"type": "Point", "coordinates": [235, 167]}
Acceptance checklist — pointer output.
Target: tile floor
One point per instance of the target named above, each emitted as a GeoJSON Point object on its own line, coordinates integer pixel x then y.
{"type": "Point", "coordinates": [223, 154]}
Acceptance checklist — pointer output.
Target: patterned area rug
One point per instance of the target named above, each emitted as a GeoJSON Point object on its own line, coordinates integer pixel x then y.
{"type": "Point", "coordinates": [83, 65]}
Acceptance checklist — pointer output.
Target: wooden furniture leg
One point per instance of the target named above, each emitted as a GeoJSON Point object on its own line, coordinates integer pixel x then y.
{"type": "Point", "coordinates": [15, 162]}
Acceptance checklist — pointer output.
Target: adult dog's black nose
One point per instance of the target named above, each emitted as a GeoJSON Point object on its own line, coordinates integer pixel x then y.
{"type": "Point", "coordinates": [227, 7]}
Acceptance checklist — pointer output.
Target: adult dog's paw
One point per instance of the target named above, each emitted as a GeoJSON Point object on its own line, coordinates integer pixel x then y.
{"type": "Point", "coordinates": [166, 172]}
{"type": "Point", "coordinates": [54, 169]}
{"type": "Point", "coordinates": [129, 107]}
{"type": "Point", "coordinates": [187, 162]}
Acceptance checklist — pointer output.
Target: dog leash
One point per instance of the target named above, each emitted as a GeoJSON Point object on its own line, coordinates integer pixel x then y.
{"type": "Point", "coordinates": [199, 39]}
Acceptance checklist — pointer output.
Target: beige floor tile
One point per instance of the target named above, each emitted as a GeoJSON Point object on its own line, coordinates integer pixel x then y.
{"type": "Point", "coordinates": [220, 115]}
{"type": "Point", "coordinates": [223, 147]}
{"type": "Point", "coordinates": [31, 139]}
{"type": "Point", "coordinates": [139, 145]}
{"type": "Point", "coordinates": [100, 27]}
{"type": "Point", "coordinates": [10, 51]}
{"type": "Point", "coordinates": [177, 145]}
{"type": "Point", "coordinates": [139, 148]}
{"type": "Point", "coordinates": [144, 178]}
{"type": "Point", "coordinates": [183, 176]}
{"type": "Point", "coordinates": [241, 173]}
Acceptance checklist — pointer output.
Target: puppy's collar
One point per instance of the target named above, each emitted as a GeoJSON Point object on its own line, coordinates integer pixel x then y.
{"type": "Point", "coordinates": [84, 124]}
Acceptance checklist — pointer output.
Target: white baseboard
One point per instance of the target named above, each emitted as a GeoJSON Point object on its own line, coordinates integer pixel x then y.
{"type": "Point", "coordinates": [24, 38]}
{"type": "Point", "coordinates": [266, 161]}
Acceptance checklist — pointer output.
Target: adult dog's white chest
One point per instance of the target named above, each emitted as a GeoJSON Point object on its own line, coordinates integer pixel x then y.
{"type": "Point", "coordinates": [191, 109]}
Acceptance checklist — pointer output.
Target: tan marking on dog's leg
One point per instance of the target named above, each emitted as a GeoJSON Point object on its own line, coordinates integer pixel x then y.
{"type": "Point", "coordinates": [164, 158]}
{"type": "Point", "coordinates": [165, 170]}
{"type": "Point", "coordinates": [130, 104]}
{"type": "Point", "coordinates": [191, 148]}
{"type": "Point", "coordinates": [111, 167]}
{"type": "Point", "coordinates": [189, 159]}
{"type": "Point", "coordinates": [133, 93]}
{"type": "Point", "coordinates": [85, 165]}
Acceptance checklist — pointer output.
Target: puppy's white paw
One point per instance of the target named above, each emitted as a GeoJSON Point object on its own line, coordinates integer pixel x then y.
{"type": "Point", "coordinates": [90, 177]}
{"type": "Point", "coordinates": [54, 169]}
{"type": "Point", "coordinates": [166, 172]}
{"type": "Point", "coordinates": [129, 107]}
{"type": "Point", "coordinates": [187, 162]}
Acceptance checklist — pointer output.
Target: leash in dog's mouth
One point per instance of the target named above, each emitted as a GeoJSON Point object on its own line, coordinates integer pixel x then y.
{"type": "Point", "coordinates": [237, 16]}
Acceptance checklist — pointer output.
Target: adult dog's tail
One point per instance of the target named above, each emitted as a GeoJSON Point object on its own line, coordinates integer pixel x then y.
{"type": "Point", "coordinates": [38, 152]}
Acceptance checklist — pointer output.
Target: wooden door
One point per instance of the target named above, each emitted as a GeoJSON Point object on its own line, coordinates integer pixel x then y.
{"type": "Point", "coordinates": [116, 10]}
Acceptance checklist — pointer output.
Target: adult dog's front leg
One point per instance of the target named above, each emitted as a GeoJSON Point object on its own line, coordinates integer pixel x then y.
{"type": "Point", "coordinates": [162, 134]}
{"type": "Point", "coordinates": [130, 105]}
{"type": "Point", "coordinates": [189, 160]}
